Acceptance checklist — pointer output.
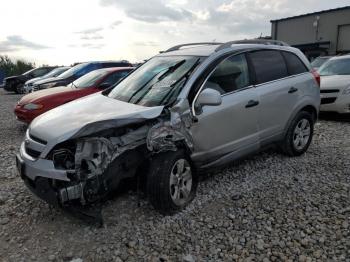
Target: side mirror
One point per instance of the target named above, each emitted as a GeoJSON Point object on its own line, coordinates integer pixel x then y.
{"type": "Point", "coordinates": [209, 97]}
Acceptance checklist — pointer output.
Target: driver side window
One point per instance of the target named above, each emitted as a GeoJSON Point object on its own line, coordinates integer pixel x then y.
{"type": "Point", "coordinates": [114, 78]}
{"type": "Point", "coordinates": [230, 75]}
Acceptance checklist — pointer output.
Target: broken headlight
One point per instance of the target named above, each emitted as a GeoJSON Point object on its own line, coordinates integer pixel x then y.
{"type": "Point", "coordinates": [63, 159]}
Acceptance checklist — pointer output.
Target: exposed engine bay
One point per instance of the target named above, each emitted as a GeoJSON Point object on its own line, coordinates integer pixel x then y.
{"type": "Point", "coordinates": [95, 164]}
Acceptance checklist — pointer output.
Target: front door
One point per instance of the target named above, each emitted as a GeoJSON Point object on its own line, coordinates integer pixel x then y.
{"type": "Point", "coordinates": [231, 127]}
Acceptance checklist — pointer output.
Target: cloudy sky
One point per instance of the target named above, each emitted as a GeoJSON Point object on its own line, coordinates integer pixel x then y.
{"type": "Point", "coordinates": [68, 31]}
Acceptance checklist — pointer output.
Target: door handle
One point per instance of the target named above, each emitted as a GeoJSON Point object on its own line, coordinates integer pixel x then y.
{"type": "Point", "coordinates": [292, 90]}
{"type": "Point", "coordinates": [252, 103]}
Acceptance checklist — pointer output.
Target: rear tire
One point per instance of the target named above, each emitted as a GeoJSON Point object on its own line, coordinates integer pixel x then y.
{"type": "Point", "coordinates": [299, 134]}
{"type": "Point", "coordinates": [171, 183]}
{"type": "Point", "coordinates": [18, 89]}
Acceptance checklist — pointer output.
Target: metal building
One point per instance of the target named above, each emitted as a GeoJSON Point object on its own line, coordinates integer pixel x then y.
{"type": "Point", "coordinates": [320, 33]}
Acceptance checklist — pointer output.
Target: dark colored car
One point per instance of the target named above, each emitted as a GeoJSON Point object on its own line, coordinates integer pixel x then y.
{"type": "Point", "coordinates": [27, 88]}
{"type": "Point", "coordinates": [37, 103]}
{"type": "Point", "coordinates": [76, 72]}
{"type": "Point", "coordinates": [15, 83]}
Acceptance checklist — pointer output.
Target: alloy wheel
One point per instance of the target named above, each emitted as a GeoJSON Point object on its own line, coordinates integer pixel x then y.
{"type": "Point", "coordinates": [301, 134]}
{"type": "Point", "coordinates": [180, 182]}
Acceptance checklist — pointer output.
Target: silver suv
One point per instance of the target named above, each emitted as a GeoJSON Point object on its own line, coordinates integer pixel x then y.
{"type": "Point", "coordinates": [189, 109]}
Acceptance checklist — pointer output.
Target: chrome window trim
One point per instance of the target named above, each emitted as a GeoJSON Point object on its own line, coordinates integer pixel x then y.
{"type": "Point", "coordinates": [238, 90]}
{"type": "Point", "coordinates": [280, 79]}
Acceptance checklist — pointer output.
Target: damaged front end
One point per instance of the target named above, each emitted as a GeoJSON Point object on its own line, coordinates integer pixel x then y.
{"type": "Point", "coordinates": [96, 163]}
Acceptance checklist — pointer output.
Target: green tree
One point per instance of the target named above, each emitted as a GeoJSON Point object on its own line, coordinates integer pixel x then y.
{"type": "Point", "coordinates": [11, 68]}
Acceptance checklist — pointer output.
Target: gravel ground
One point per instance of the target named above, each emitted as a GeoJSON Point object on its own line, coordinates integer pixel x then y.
{"type": "Point", "coordinates": [266, 208]}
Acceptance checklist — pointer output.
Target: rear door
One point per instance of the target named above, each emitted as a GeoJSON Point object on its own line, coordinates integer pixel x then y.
{"type": "Point", "coordinates": [229, 128]}
{"type": "Point", "coordinates": [278, 89]}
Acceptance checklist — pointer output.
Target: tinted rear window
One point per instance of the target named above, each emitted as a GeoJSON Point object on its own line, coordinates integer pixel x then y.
{"type": "Point", "coordinates": [269, 65]}
{"type": "Point", "coordinates": [295, 65]}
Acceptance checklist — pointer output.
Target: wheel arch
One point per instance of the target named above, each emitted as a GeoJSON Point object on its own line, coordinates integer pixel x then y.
{"type": "Point", "coordinates": [307, 106]}
{"type": "Point", "coordinates": [310, 109]}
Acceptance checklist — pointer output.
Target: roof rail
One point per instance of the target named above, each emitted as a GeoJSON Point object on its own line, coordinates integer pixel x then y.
{"type": "Point", "coordinates": [251, 41]}
{"type": "Point", "coordinates": [177, 47]}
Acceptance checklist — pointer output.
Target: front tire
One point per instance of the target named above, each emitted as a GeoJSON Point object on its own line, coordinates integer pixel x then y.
{"type": "Point", "coordinates": [299, 134]}
{"type": "Point", "coordinates": [171, 183]}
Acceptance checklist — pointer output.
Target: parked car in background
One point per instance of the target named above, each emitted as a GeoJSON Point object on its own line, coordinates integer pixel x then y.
{"type": "Point", "coordinates": [183, 111]}
{"type": "Point", "coordinates": [75, 72]}
{"type": "Point", "coordinates": [36, 103]}
{"type": "Point", "coordinates": [54, 73]}
{"type": "Point", "coordinates": [335, 85]}
{"type": "Point", "coordinates": [15, 83]}
{"type": "Point", "coordinates": [319, 61]}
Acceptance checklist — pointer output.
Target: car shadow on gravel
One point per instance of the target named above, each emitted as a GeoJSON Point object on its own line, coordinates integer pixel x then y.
{"type": "Point", "coordinates": [329, 116]}
{"type": "Point", "coordinates": [130, 196]}
{"type": "Point", "coordinates": [10, 94]}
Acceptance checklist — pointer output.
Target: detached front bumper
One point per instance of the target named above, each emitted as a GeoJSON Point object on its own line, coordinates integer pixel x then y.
{"type": "Point", "coordinates": [38, 175]}
{"type": "Point", "coordinates": [40, 186]}
{"type": "Point", "coordinates": [34, 168]}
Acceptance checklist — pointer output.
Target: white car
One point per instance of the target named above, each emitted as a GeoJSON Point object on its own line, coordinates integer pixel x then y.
{"type": "Point", "coordinates": [28, 86]}
{"type": "Point", "coordinates": [335, 85]}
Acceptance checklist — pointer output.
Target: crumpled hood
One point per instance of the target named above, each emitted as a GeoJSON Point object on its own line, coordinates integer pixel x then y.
{"type": "Point", "coordinates": [42, 94]}
{"type": "Point", "coordinates": [335, 82]}
{"type": "Point", "coordinates": [64, 122]}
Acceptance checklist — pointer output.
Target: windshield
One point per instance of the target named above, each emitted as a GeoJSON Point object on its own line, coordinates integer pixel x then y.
{"type": "Point", "coordinates": [319, 61]}
{"type": "Point", "coordinates": [89, 79]}
{"type": "Point", "coordinates": [157, 82]}
{"type": "Point", "coordinates": [29, 71]}
{"type": "Point", "coordinates": [55, 72]}
{"type": "Point", "coordinates": [335, 67]}
{"type": "Point", "coordinates": [73, 70]}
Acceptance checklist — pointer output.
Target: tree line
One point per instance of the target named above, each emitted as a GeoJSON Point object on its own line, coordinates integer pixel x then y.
{"type": "Point", "coordinates": [9, 67]}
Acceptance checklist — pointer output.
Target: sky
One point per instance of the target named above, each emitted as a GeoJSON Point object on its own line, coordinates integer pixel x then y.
{"type": "Point", "coordinates": [68, 31]}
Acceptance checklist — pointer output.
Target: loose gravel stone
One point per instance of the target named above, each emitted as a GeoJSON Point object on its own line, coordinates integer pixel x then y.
{"type": "Point", "coordinates": [268, 207]}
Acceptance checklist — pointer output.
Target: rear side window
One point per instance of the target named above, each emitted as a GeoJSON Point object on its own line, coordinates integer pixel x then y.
{"type": "Point", "coordinates": [269, 65]}
{"type": "Point", "coordinates": [295, 65]}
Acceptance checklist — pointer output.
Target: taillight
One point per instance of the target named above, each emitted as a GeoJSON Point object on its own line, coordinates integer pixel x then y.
{"type": "Point", "coordinates": [317, 77]}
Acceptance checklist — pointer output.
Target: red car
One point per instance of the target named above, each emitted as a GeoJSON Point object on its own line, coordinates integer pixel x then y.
{"type": "Point", "coordinates": [37, 103]}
